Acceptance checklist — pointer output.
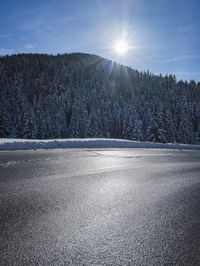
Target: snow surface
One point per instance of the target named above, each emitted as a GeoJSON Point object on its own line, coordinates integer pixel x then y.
{"type": "Point", "coordinates": [29, 144]}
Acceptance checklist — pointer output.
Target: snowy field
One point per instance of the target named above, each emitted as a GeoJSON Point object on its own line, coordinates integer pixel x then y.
{"type": "Point", "coordinates": [25, 144]}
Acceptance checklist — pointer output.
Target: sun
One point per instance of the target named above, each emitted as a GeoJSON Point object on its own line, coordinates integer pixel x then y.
{"type": "Point", "coordinates": [121, 47]}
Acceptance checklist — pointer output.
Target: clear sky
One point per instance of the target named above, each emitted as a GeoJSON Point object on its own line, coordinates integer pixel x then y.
{"type": "Point", "coordinates": [164, 35]}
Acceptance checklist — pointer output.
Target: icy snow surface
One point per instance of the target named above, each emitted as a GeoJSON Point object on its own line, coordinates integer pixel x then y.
{"type": "Point", "coordinates": [28, 144]}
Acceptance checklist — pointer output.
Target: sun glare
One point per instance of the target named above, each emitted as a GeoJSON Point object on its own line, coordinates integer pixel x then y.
{"type": "Point", "coordinates": [121, 47]}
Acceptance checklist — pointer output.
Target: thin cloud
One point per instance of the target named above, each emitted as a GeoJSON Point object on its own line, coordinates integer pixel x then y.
{"type": "Point", "coordinates": [32, 24]}
{"type": "Point", "coordinates": [29, 46]}
{"type": "Point", "coordinates": [177, 58]}
{"type": "Point", "coordinates": [5, 51]}
{"type": "Point", "coordinates": [6, 35]}
{"type": "Point", "coordinates": [67, 19]}
{"type": "Point", "coordinates": [186, 73]}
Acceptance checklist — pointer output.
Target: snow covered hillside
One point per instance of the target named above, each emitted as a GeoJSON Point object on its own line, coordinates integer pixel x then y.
{"type": "Point", "coordinates": [86, 96]}
{"type": "Point", "coordinates": [25, 144]}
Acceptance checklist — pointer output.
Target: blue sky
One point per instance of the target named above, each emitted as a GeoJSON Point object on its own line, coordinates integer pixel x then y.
{"type": "Point", "coordinates": [164, 34]}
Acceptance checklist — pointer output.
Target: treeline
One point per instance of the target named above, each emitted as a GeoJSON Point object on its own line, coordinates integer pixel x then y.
{"type": "Point", "coordinates": [82, 95]}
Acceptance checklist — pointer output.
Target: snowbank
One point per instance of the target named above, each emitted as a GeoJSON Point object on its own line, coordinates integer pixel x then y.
{"type": "Point", "coordinates": [24, 144]}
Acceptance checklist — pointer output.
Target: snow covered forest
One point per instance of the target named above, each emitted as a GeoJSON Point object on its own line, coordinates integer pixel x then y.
{"type": "Point", "coordinates": [81, 95]}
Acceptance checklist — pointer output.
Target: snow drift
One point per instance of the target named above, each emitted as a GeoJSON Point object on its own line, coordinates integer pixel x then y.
{"type": "Point", "coordinates": [27, 144]}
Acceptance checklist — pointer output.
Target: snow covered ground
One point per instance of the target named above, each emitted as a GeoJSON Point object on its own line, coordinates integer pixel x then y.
{"type": "Point", "coordinates": [24, 144]}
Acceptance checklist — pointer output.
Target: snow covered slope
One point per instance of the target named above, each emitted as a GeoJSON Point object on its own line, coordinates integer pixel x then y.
{"type": "Point", "coordinates": [25, 144]}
